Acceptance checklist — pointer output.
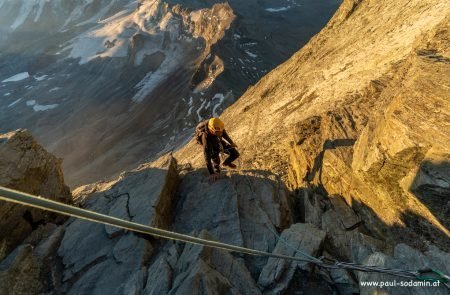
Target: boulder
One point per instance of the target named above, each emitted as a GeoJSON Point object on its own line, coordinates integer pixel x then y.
{"type": "Point", "coordinates": [202, 270]}
{"type": "Point", "coordinates": [27, 167]}
{"type": "Point", "coordinates": [243, 209]}
{"type": "Point", "coordinates": [102, 259]}
{"type": "Point", "coordinates": [277, 275]}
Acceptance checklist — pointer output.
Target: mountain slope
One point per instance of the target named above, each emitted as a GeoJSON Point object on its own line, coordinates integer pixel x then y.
{"type": "Point", "coordinates": [345, 162]}
{"type": "Point", "coordinates": [106, 84]}
{"type": "Point", "coordinates": [361, 111]}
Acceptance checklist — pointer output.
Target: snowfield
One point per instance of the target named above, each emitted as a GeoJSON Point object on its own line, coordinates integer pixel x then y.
{"type": "Point", "coordinates": [18, 77]}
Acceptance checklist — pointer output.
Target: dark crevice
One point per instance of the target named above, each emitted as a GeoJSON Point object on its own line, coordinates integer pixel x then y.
{"type": "Point", "coordinates": [28, 217]}
{"type": "Point", "coordinates": [70, 282]}
{"type": "Point", "coordinates": [112, 197]}
{"type": "Point", "coordinates": [432, 55]}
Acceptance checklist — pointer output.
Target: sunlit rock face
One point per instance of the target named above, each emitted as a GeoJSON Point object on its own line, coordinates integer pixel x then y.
{"type": "Point", "coordinates": [106, 84]}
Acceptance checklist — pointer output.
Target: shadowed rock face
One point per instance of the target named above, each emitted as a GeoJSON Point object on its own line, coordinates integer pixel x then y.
{"type": "Point", "coordinates": [26, 166]}
{"type": "Point", "coordinates": [407, 258]}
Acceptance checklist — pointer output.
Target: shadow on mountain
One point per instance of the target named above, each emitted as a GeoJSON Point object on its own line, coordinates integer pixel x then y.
{"type": "Point", "coordinates": [318, 161]}
{"type": "Point", "coordinates": [415, 231]}
{"type": "Point", "coordinates": [432, 187]}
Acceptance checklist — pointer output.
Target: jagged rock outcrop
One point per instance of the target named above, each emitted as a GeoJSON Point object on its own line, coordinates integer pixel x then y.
{"type": "Point", "coordinates": [99, 258]}
{"type": "Point", "coordinates": [26, 166]}
{"type": "Point", "coordinates": [197, 269]}
{"type": "Point", "coordinates": [244, 209]}
{"type": "Point", "coordinates": [277, 275]}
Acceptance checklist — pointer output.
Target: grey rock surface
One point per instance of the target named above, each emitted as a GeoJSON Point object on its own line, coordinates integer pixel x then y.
{"type": "Point", "coordinates": [365, 123]}
{"type": "Point", "coordinates": [345, 240]}
{"type": "Point", "coordinates": [244, 209]}
{"type": "Point", "coordinates": [203, 270]}
{"type": "Point", "coordinates": [99, 258]}
{"type": "Point", "coordinates": [277, 274]}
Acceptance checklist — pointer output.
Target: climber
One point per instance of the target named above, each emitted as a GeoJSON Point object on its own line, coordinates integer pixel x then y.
{"type": "Point", "coordinates": [211, 134]}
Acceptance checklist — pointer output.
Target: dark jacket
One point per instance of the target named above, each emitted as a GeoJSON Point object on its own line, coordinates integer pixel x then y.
{"type": "Point", "coordinates": [212, 145]}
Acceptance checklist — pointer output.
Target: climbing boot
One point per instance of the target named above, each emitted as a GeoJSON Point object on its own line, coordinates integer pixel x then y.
{"type": "Point", "coordinates": [230, 165]}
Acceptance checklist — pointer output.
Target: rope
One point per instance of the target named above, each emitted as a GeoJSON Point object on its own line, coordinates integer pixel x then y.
{"type": "Point", "coordinates": [14, 196]}
{"type": "Point", "coordinates": [46, 204]}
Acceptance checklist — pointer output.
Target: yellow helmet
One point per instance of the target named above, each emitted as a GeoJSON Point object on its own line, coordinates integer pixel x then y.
{"type": "Point", "coordinates": [215, 124]}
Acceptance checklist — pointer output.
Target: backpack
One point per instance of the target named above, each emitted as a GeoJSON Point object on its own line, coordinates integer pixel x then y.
{"type": "Point", "coordinates": [199, 131]}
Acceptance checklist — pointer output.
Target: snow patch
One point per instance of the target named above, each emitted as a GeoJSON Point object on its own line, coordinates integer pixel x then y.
{"type": "Point", "coordinates": [14, 102]}
{"type": "Point", "coordinates": [190, 106]}
{"type": "Point", "coordinates": [112, 37]}
{"type": "Point", "coordinates": [7, 94]}
{"type": "Point", "coordinates": [152, 79]}
{"type": "Point", "coordinates": [39, 108]}
{"type": "Point", "coordinates": [18, 77]}
{"type": "Point", "coordinates": [25, 10]}
{"type": "Point", "coordinates": [199, 110]}
{"type": "Point", "coordinates": [99, 15]}
{"type": "Point", "coordinates": [114, 17]}
{"type": "Point", "coordinates": [40, 78]}
{"type": "Point", "coordinates": [54, 89]}
{"type": "Point", "coordinates": [41, 7]}
{"type": "Point", "coordinates": [278, 9]}
{"type": "Point", "coordinates": [190, 111]}
{"type": "Point", "coordinates": [221, 98]}
{"type": "Point", "coordinates": [251, 54]}
{"type": "Point", "coordinates": [77, 13]}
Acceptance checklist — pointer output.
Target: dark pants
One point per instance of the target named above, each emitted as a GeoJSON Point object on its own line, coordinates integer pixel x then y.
{"type": "Point", "coordinates": [232, 153]}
